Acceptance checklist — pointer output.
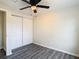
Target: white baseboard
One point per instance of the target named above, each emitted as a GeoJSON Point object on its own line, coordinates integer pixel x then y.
{"type": "Point", "coordinates": [59, 50]}
{"type": "Point", "coordinates": [8, 53]}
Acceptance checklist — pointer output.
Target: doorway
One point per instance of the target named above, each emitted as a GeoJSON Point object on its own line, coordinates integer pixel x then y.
{"type": "Point", "coordinates": [2, 34]}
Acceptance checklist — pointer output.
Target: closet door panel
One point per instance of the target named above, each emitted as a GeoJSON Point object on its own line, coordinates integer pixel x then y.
{"type": "Point", "coordinates": [27, 31]}
{"type": "Point", "coordinates": [15, 32]}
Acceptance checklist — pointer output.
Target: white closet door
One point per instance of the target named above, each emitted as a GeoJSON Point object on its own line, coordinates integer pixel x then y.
{"type": "Point", "coordinates": [15, 32]}
{"type": "Point", "coordinates": [27, 31]}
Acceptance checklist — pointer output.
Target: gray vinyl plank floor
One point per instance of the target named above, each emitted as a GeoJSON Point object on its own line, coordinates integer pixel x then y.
{"type": "Point", "coordinates": [2, 53]}
{"type": "Point", "coordinates": [33, 51]}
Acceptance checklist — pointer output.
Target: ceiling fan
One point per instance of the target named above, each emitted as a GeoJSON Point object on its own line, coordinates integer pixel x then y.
{"type": "Point", "coordinates": [33, 5]}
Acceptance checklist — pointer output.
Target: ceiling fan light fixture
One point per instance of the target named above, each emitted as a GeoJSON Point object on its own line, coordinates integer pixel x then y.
{"type": "Point", "coordinates": [33, 8]}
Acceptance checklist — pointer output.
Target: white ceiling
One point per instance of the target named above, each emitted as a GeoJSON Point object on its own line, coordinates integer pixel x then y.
{"type": "Point", "coordinates": [54, 4]}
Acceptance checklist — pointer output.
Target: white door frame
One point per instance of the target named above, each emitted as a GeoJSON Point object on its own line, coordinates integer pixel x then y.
{"type": "Point", "coordinates": [6, 12]}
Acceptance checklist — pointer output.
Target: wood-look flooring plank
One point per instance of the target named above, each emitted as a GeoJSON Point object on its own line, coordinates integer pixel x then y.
{"type": "Point", "coordinates": [33, 51]}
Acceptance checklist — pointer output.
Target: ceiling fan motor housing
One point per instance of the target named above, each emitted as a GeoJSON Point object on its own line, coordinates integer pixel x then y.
{"type": "Point", "coordinates": [34, 2]}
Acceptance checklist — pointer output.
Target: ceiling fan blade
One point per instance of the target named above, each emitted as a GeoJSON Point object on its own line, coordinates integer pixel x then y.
{"type": "Point", "coordinates": [42, 6]}
{"type": "Point", "coordinates": [34, 2]}
{"type": "Point", "coordinates": [25, 7]}
{"type": "Point", "coordinates": [37, 1]}
{"type": "Point", "coordinates": [26, 1]}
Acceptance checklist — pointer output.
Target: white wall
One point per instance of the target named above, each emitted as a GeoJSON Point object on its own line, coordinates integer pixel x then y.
{"type": "Point", "coordinates": [57, 30]}
{"type": "Point", "coordinates": [1, 18]}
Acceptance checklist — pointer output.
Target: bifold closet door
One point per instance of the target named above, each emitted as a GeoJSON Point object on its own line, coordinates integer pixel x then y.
{"type": "Point", "coordinates": [15, 32]}
{"type": "Point", "coordinates": [27, 31]}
